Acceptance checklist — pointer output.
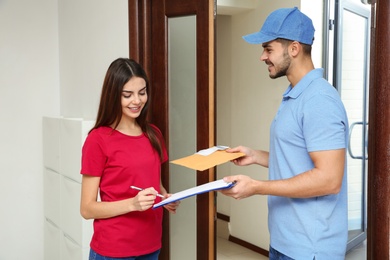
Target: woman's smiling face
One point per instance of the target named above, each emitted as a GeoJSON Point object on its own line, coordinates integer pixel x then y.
{"type": "Point", "coordinates": [134, 97]}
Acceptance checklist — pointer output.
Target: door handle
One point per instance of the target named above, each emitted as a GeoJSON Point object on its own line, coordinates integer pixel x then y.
{"type": "Point", "coordinates": [349, 141]}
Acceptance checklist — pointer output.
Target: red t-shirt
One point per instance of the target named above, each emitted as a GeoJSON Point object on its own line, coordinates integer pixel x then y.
{"type": "Point", "coordinates": [121, 161]}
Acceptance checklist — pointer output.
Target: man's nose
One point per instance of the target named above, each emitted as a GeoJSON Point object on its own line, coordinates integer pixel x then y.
{"type": "Point", "coordinates": [263, 56]}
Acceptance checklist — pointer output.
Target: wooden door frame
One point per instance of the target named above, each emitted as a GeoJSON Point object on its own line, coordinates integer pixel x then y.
{"type": "Point", "coordinates": [378, 238]}
{"type": "Point", "coordinates": [141, 49]}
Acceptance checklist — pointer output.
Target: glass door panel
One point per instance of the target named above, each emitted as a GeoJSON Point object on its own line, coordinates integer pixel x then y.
{"type": "Point", "coordinates": [182, 130]}
{"type": "Point", "coordinates": [352, 82]}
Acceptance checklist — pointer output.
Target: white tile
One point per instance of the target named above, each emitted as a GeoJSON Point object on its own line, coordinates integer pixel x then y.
{"type": "Point", "coordinates": [51, 142]}
{"type": "Point", "coordinates": [72, 223]}
{"type": "Point", "coordinates": [70, 250]}
{"type": "Point", "coordinates": [230, 250]}
{"type": "Point", "coordinates": [249, 256]}
{"type": "Point", "coordinates": [73, 132]}
{"type": "Point", "coordinates": [51, 197]}
{"type": "Point", "coordinates": [221, 256]}
{"type": "Point", "coordinates": [52, 241]}
{"type": "Point", "coordinates": [227, 250]}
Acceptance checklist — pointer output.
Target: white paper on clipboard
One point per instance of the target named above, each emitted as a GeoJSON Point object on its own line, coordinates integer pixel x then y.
{"type": "Point", "coordinates": [211, 186]}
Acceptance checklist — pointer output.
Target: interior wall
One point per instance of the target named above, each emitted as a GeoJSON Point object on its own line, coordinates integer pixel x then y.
{"type": "Point", "coordinates": [247, 100]}
{"type": "Point", "coordinates": [53, 58]}
{"type": "Point", "coordinates": [92, 33]}
{"type": "Point", "coordinates": [29, 83]}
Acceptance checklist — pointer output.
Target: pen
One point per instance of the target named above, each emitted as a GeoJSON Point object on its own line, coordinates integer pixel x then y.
{"type": "Point", "coordinates": [137, 188]}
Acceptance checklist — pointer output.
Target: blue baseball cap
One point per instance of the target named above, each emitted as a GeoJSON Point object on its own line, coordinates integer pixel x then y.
{"type": "Point", "coordinates": [285, 23]}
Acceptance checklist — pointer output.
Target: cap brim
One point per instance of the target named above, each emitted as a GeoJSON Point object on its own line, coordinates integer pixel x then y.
{"type": "Point", "coordinates": [258, 38]}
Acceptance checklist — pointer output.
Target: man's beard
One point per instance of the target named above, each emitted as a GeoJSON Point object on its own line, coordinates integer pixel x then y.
{"type": "Point", "coordinates": [281, 70]}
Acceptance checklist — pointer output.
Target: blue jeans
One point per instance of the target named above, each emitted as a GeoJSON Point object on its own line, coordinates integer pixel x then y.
{"type": "Point", "coordinates": [276, 255]}
{"type": "Point", "coordinates": [152, 256]}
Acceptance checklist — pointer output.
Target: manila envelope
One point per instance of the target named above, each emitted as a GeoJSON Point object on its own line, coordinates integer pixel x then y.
{"type": "Point", "coordinates": [202, 162]}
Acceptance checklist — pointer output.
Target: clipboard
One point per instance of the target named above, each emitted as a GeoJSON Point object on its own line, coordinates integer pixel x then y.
{"type": "Point", "coordinates": [211, 186]}
{"type": "Point", "coordinates": [207, 158]}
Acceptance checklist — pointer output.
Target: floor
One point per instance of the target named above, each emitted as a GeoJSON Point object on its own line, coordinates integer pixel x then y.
{"type": "Point", "coordinates": [227, 250]}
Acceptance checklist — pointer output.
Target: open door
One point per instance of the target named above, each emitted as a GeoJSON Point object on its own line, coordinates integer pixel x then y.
{"type": "Point", "coordinates": [174, 41]}
{"type": "Point", "coordinates": [351, 79]}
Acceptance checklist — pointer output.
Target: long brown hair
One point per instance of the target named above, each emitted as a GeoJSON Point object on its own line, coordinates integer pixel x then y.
{"type": "Point", "coordinates": [118, 74]}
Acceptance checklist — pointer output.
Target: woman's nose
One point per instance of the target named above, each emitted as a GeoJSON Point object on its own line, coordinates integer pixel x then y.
{"type": "Point", "coordinates": [136, 99]}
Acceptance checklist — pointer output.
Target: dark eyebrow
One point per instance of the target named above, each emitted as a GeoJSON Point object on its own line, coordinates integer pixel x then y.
{"type": "Point", "coordinates": [266, 45]}
{"type": "Point", "coordinates": [129, 91]}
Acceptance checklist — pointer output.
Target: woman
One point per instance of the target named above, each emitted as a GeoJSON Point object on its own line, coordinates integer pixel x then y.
{"type": "Point", "coordinates": [124, 150]}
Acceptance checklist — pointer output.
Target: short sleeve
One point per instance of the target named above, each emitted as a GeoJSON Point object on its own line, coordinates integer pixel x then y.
{"type": "Point", "coordinates": [325, 125]}
{"type": "Point", "coordinates": [94, 156]}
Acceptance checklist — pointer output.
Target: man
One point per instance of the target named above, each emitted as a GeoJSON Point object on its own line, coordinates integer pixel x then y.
{"type": "Point", "coordinates": [307, 166]}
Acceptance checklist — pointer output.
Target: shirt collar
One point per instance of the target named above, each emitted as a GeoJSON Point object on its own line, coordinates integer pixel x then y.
{"type": "Point", "coordinates": [294, 92]}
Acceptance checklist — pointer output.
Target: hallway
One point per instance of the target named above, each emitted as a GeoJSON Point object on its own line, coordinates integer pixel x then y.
{"type": "Point", "coordinates": [227, 250]}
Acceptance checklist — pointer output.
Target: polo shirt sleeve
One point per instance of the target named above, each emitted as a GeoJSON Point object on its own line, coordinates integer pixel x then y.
{"type": "Point", "coordinates": [325, 124]}
{"type": "Point", "coordinates": [93, 157]}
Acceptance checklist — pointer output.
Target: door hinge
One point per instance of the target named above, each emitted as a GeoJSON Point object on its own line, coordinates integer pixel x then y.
{"type": "Point", "coordinates": [331, 24]}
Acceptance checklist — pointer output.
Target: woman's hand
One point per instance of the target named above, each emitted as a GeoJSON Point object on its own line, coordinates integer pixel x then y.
{"type": "Point", "coordinates": [171, 207]}
{"type": "Point", "coordinates": [144, 199]}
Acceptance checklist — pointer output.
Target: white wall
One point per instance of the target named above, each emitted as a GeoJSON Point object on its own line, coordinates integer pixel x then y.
{"type": "Point", "coordinates": [48, 49]}
{"type": "Point", "coordinates": [247, 100]}
{"type": "Point", "coordinates": [29, 82]}
{"type": "Point", "coordinates": [92, 34]}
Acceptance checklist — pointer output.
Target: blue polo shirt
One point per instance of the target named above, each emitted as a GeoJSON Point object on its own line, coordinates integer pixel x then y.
{"type": "Point", "coordinates": [310, 118]}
